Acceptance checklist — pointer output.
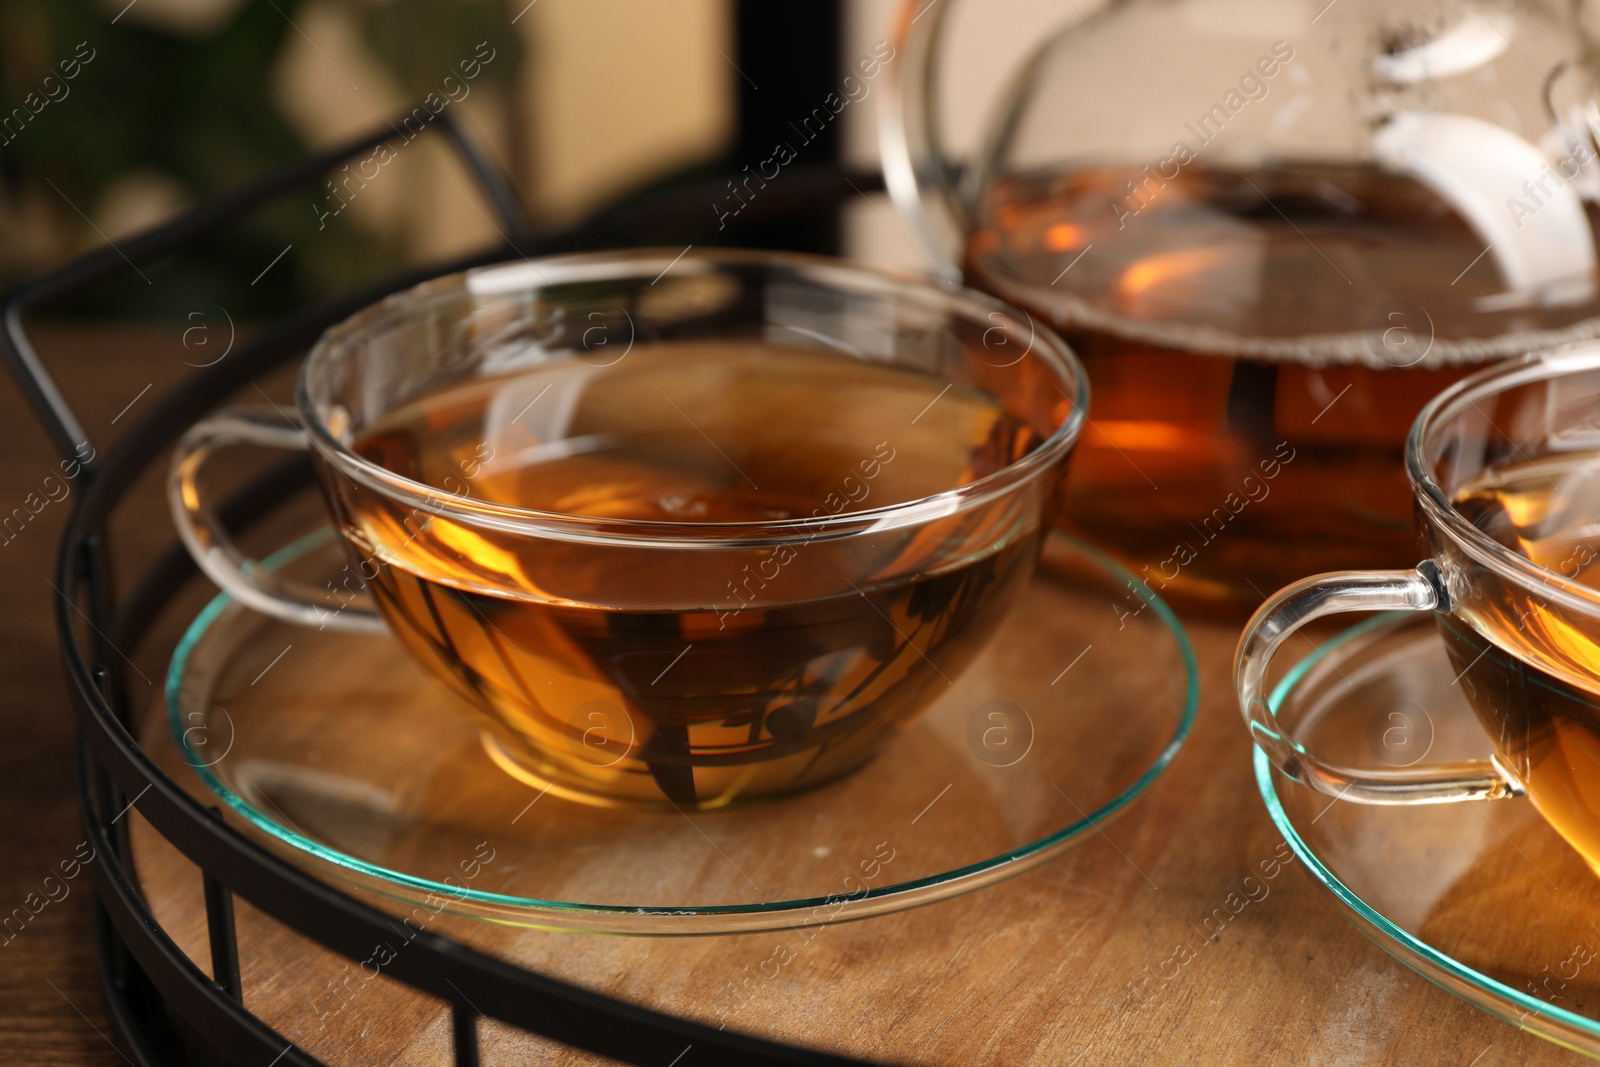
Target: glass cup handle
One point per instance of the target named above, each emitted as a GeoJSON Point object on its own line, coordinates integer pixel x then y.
{"type": "Point", "coordinates": [908, 140]}
{"type": "Point", "coordinates": [1291, 608]}
{"type": "Point", "coordinates": [259, 587]}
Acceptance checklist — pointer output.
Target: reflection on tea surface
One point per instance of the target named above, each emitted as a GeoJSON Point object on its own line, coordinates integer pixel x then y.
{"type": "Point", "coordinates": [706, 672]}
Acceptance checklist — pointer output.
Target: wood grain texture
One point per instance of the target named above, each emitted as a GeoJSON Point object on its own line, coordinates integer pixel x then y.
{"type": "Point", "coordinates": [1036, 970]}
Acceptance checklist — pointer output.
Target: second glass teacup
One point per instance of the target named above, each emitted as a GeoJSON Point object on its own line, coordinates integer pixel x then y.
{"type": "Point", "coordinates": [1505, 474]}
{"type": "Point", "coordinates": [685, 528]}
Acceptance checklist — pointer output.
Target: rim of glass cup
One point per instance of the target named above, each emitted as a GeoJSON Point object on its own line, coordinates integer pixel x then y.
{"type": "Point", "coordinates": [1533, 367]}
{"type": "Point", "coordinates": [530, 275]}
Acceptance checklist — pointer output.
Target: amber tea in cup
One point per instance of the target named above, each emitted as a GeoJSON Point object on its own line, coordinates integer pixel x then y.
{"type": "Point", "coordinates": [712, 682]}
{"type": "Point", "coordinates": [1532, 671]}
{"type": "Point", "coordinates": [720, 548]}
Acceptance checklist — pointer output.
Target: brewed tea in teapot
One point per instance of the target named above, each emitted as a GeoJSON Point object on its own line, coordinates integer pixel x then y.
{"type": "Point", "coordinates": [1272, 231]}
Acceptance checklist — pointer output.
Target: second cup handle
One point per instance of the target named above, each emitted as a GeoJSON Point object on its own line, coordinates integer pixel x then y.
{"type": "Point", "coordinates": [259, 587]}
{"type": "Point", "coordinates": [1327, 594]}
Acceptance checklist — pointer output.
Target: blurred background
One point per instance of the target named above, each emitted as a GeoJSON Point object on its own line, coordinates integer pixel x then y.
{"type": "Point", "coordinates": [115, 115]}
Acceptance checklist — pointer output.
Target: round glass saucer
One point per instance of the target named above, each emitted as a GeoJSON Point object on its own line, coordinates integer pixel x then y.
{"type": "Point", "coordinates": [341, 753]}
{"type": "Point", "coordinates": [1481, 898]}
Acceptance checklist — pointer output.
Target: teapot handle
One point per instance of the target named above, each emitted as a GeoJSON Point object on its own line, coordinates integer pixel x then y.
{"type": "Point", "coordinates": [914, 170]}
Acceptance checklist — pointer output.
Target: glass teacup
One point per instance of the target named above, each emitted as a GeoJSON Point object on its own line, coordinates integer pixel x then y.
{"type": "Point", "coordinates": [683, 529]}
{"type": "Point", "coordinates": [1505, 475]}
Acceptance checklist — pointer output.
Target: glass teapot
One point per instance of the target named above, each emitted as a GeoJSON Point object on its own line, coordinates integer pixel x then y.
{"type": "Point", "coordinates": [1272, 229]}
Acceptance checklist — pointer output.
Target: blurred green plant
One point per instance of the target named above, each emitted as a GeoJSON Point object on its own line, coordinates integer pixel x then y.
{"type": "Point", "coordinates": [188, 112]}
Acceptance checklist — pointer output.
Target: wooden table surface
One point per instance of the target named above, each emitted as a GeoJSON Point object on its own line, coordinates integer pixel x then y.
{"type": "Point", "coordinates": [1035, 970]}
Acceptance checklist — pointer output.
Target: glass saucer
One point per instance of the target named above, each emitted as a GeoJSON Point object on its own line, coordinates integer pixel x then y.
{"type": "Point", "coordinates": [1481, 898]}
{"type": "Point", "coordinates": [340, 752]}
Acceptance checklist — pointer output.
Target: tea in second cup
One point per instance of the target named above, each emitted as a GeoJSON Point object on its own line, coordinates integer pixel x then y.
{"type": "Point", "coordinates": [690, 536]}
